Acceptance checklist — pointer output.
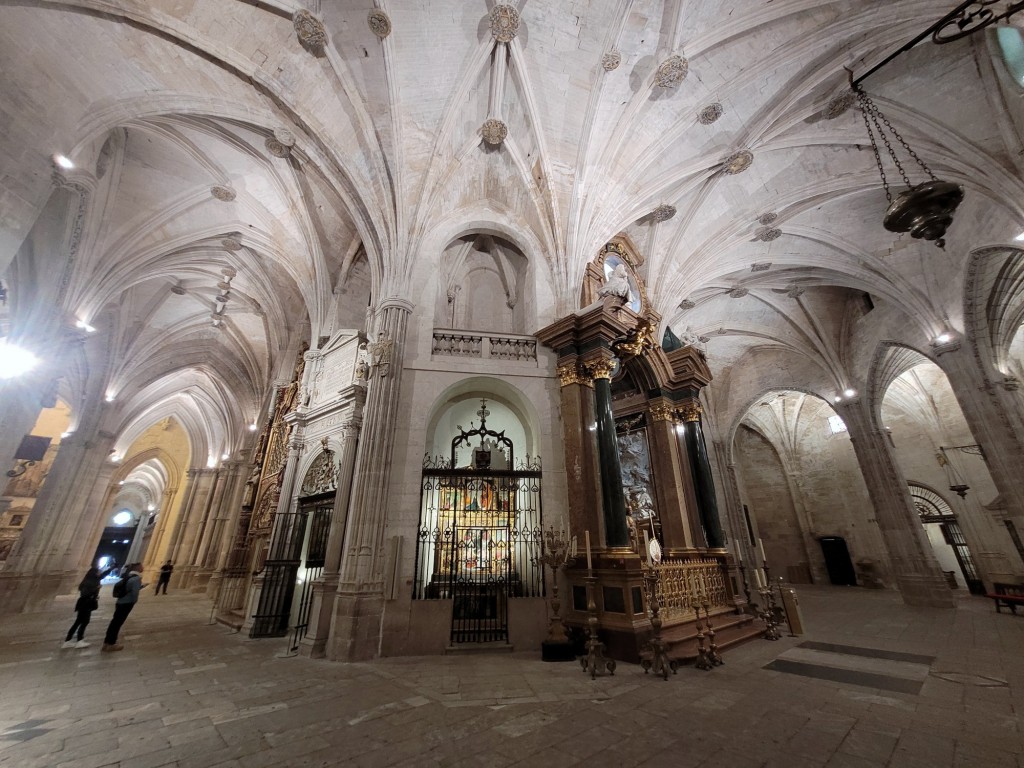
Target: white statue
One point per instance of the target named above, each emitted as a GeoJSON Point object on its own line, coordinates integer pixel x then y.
{"type": "Point", "coordinates": [362, 364]}
{"type": "Point", "coordinates": [617, 284]}
{"type": "Point", "coordinates": [689, 338]}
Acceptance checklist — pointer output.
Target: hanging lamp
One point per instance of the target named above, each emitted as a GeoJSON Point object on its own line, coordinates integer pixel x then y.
{"type": "Point", "coordinates": [924, 210]}
{"type": "Point", "coordinates": [956, 483]}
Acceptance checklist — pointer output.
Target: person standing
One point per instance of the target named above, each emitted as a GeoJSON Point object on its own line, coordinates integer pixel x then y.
{"type": "Point", "coordinates": [88, 601]}
{"type": "Point", "coordinates": [126, 600]}
{"type": "Point", "coordinates": [165, 576]}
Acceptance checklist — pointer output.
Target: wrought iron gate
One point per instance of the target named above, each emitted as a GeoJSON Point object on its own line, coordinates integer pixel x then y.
{"type": "Point", "coordinates": [319, 512]}
{"type": "Point", "coordinates": [480, 534]}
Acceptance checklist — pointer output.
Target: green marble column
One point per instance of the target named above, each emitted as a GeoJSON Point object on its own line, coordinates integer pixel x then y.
{"type": "Point", "coordinates": [616, 531]}
{"type": "Point", "coordinates": [703, 483]}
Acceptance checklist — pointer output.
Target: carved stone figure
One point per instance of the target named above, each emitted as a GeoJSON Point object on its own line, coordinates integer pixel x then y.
{"type": "Point", "coordinates": [362, 364]}
{"type": "Point", "coordinates": [381, 350]}
{"type": "Point", "coordinates": [617, 284]}
{"type": "Point", "coordinates": [310, 31]}
{"type": "Point", "coordinates": [689, 338]}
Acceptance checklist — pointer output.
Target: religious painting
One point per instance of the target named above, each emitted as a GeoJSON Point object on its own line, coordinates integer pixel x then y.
{"type": "Point", "coordinates": [637, 478]}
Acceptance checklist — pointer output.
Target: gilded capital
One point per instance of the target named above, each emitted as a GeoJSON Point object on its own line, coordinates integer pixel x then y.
{"type": "Point", "coordinates": [570, 374]}
{"type": "Point", "coordinates": [691, 412]}
{"type": "Point", "coordinates": [600, 369]}
{"type": "Point", "coordinates": [663, 413]}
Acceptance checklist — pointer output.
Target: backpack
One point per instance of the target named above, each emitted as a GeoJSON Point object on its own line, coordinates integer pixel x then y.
{"type": "Point", "coordinates": [121, 588]}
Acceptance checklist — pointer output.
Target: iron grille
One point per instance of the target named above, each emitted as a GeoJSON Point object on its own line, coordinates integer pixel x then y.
{"type": "Point", "coordinates": [479, 536]}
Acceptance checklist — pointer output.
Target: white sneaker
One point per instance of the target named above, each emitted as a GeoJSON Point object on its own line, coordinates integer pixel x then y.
{"type": "Point", "coordinates": [82, 644]}
{"type": "Point", "coordinates": [68, 644]}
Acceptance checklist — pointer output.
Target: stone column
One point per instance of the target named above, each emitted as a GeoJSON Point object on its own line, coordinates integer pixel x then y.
{"type": "Point", "coordinates": [201, 485]}
{"type": "Point", "coordinates": [613, 499]}
{"type": "Point", "coordinates": [991, 406]}
{"type": "Point", "coordinates": [227, 521]}
{"type": "Point", "coordinates": [47, 553]}
{"type": "Point", "coordinates": [913, 564]}
{"type": "Point", "coordinates": [703, 481]}
{"type": "Point", "coordinates": [360, 603]}
{"type": "Point", "coordinates": [221, 509]}
{"type": "Point", "coordinates": [325, 589]}
{"type": "Point", "coordinates": [670, 475]}
{"type": "Point", "coordinates": [191, 482]}
{"type": "Point", "coordinates": [577, 409]}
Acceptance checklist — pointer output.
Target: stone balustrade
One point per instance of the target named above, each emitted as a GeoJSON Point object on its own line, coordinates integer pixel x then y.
{"type": "Point", "coordinates": [483, 346]}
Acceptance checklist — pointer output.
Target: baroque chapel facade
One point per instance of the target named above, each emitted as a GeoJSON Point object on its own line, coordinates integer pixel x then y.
{"type": "Point", "coordinates": [351, 310]}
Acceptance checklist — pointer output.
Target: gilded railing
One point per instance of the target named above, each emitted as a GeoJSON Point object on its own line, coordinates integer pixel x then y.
{"type": "Point", "coordinates": [685, 583]}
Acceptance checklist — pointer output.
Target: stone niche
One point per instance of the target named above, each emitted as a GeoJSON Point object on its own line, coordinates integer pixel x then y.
{"type": "Point", "coordinates": [483, 286]}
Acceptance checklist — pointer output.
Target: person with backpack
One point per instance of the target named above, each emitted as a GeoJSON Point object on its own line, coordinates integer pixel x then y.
{"type": "Point", "coordinates": [126, 594]}
{"type": "Point", "coordinates": [88, 601]}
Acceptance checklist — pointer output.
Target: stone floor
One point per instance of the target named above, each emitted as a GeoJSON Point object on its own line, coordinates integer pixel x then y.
{"type": "Point", "coordinates": [188, 693]}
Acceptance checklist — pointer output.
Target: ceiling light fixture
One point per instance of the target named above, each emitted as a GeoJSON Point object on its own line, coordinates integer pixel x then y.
{"type": "Point", "coordinates": [252, 427]}
{"type": "Point", "coordinates": [63, 161]}
{"type": "Point", "coordinates": [109, 398]}
{"type": "Point", "coordinates": [849, 392]}
{"type": "Point", "coordinates": [85, 326]}
{"type": "Point", "coordinates": [837, 399]}
{"type": "Point", "coordinates": [942, 338]}
{"type": "Point", "coordinates": [224, 456]}
{"type": "Point", "coordinates": [1019, 238]}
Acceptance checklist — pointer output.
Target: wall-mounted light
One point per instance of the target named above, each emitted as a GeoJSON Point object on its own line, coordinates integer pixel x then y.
{"type": "Point", "coordinates": [849, 392]}
{"type": "Point", "coordinates": [211, 463]}
{"type": "Point", "coordinates": [85, 326]}
{"type": "Point", "coordinates": [1019, 238]}
{"type": "Point", "coordinates": [252, 427]}
{"type": "Point", "coordinates": [837, 399]}
{"type": "Point", "coordinates": [69, 433]}
{"type": "Point", "coordinates": [109, 398]}
{"type": "Point", "coordinates": [224, 457]}
{"type": "Point", "coordinates": [942, 338]}
{"type": "Point", "coordinates": [63, 161]}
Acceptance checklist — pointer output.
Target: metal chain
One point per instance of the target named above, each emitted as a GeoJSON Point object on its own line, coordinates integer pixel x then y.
{"type": "Point", "coordinates": [874, 114]}
{"type": "Point", "coordinates": [874, 145]}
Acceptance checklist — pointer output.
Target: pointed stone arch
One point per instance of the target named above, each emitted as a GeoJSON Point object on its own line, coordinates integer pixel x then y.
{"type": "Point", "coordinates": [994, 304]}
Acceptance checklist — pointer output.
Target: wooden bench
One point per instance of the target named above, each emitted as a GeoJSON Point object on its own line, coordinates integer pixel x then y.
{"type": "Point", "coordinates": [1010, 595]}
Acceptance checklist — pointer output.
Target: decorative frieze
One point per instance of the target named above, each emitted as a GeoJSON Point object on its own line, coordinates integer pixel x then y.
{"type": "Point", "coordinates": [504, 21]}
{"type": "Point", "coordinates": [671, 72]}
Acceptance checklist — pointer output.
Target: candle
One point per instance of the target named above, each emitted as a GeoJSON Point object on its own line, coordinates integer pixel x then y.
{"type": "Point", "coordinates": [647, 546]}
{"type": "Point", "coordinates": [758, 578]}
{"type": "Point", "coordinates": [586, 536]}
{"type": "Point", "coordinates": [760, 545]}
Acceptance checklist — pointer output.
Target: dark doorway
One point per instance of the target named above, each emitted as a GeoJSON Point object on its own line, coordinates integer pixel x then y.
{"type": "Point", "coordinates": [837, 561]}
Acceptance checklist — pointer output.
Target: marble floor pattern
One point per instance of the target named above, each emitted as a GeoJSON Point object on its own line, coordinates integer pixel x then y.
{"type": "Point", "coordinates": [192, 694]}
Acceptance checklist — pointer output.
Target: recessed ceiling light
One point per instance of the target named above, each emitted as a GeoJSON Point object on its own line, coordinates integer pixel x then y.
{"type": "Point", "coordinates": [63, 161]}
